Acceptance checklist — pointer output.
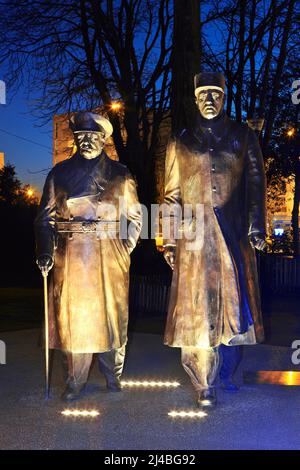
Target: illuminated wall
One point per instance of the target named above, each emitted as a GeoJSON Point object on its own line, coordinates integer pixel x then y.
{"type": "Point", "coordinates": [1, 160]}
{"type": "Point", "coordinates": [281, 214]}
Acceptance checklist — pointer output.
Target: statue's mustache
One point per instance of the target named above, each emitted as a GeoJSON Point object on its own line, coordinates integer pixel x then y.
{"type": "Point", "coordinates": [87, 146]}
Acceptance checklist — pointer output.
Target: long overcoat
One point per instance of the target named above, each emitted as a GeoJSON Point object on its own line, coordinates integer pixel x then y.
{"type": "Point", "coordinates": [88, 287]}
{"type": "Point", "coordinates": [217, 171]}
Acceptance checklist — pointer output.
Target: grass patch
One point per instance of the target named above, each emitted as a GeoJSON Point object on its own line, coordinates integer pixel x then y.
{"type": "Point", "coordinates": [20, 308]}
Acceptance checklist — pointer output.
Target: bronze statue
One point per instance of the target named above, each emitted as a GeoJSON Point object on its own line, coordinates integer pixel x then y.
{"type": "Point", "coordinates": [86, 199]}
{"type": "Point", "coordinates": [215, 297]}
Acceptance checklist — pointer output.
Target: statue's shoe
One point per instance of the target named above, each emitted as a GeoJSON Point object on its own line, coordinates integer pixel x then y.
{"type": "Point", "coordinates": [114, 385]}
{"type": "Point", "coordinates": [207, 398]}
{"type": "Point", "coordinates": [72, 393]}
{"type": "Point", "coordinates": [229, 387]}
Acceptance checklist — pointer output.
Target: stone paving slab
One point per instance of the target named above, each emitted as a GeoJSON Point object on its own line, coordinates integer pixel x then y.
{"type": "Point", "coordinates": [258, 417]}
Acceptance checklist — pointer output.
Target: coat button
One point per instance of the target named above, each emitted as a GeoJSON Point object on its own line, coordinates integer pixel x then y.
{"type": "Point", "coordinates": [213, 167]}
{"type": "Point", "coordinates": [211, 149]}
{"type": "Point", "coordinates": [212, 327]}
{"type": "Point", "coordinates": [214, 189]}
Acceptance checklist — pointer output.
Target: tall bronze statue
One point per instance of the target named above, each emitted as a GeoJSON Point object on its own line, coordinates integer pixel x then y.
{"type": "Point", "coordinates": [215, 300]}
{"type": "Point", "coordinates": [88, 222]}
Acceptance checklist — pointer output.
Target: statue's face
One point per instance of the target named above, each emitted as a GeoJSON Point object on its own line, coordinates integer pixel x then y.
{"type": "Point", "coordinates": [89, 144]}
{"type": "Point", "coordinates": [210, 102]}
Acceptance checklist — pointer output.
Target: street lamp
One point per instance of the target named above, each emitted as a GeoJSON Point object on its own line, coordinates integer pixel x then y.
{"type": "Point", "coordinates": [291, 132]}
{"type": "Point", "coordinates": [116, 106]}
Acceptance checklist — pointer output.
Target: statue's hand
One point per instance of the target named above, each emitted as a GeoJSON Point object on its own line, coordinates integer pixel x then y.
{"type": "Point", "coordinates": [169, 255]}
{"type": "Point", "coordinates": [258, 241]}
{"type": "Point", "coordinates": [45, 263]}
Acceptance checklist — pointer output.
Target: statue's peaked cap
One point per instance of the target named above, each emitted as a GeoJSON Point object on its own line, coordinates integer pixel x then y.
{"type": "Point", "coordinates": [86, 121]}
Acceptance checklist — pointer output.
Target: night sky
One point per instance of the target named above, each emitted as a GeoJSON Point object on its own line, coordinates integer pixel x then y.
{"type": "Point", "coordinates": [27, 157]}
{"type": "Point", "coordinates": [16, 118]}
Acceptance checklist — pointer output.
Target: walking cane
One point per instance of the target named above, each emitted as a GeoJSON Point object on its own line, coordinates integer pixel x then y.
{"type": "Point", "coordinates": [45, 276]}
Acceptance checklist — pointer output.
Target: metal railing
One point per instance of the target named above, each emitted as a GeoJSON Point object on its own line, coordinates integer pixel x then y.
{"type": "Point", "coordinates": [281, 273]}
{"type": "Point", "coordinates": [149, 294]}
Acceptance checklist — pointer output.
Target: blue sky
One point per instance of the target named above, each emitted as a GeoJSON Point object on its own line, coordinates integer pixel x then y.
{"type": "Point", "coordinates": [16, 118]}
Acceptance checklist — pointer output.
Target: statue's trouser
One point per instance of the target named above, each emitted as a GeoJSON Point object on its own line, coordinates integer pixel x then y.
{"type": "Point", "coordinates": [77, 366]}
{"type": "Point", "coordinates": [232, 356]}
{"type": "Point", "coordinates": [202, 364]}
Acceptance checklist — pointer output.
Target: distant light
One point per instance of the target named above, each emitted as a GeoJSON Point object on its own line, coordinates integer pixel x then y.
{"type": "Point", "coordinates": [149, 384]}
{"type": "Point", "coordinates": [81, 413]}
{"type": "Point", "coordinates": [278, 232]}
{"type": "Point", "coordinates": [187, 414]}
{"type": "Point", "coordinates": [291, 132]}
{"type": "Point", "coordinates": [30, 192]}
{"type": "Point", "coordinates": [115, 106]}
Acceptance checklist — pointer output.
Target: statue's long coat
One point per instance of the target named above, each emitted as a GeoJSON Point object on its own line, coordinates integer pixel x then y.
{"type": "Point", "coordinates": [215, 294]}
{"type": "Point", "coordinates": [88, 288]}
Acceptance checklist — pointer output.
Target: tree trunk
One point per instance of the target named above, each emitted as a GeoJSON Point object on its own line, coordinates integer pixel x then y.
{"type": "Point", "coordinates": [185, 62]}
{"type": "Point", "coordinates": [252, 105]}
{"type": "Point", "coordinates": [268, 60]}
{"type": "Point", "coordinates": [229, 78]}
{"type": "Point", "coordinates": [140, 162]}
{"type": "Point", "coordinates": [240, 70]}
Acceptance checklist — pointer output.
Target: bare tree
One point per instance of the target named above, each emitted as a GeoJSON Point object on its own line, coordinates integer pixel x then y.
{"type": "Point", "coordinates": [255, 45]}
{"type": "Point", "coordinates": [266, 64]}
{"type": "Point", "coordinates": [274, 101]}
{"type": "Point", "coordinates": [251, 44]}
{"type": "Point", "coordinates": [190, 17]}
{"type": "Point", "coordinates": [87, 53]}
{"type": "Point", "coordinates": [241, 59]}
{"type": "Point", "coordinates": [83, 54]}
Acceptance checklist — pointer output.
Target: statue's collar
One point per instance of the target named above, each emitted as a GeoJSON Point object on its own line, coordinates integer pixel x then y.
{"type": "Point", "coordinates": [90, 161]}
{"type": "Point", "coordinates": [217, 127]}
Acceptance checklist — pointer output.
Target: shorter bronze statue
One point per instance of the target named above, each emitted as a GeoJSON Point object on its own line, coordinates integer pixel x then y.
{"type": "Point", "coordinates": [85, 201]}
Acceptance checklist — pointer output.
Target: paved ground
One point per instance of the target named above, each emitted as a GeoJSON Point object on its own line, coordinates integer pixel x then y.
{"type": "Point", "coordinates": [258, 417]}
